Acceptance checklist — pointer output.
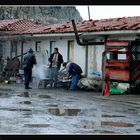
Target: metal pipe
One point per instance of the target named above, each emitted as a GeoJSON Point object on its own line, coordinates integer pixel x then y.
{"type": "Point", "coordinates": [19, 55]}
{"type": "Point", "coordinates": [85, 42]}
{"type": "Point", "coordinates": [88, 13]}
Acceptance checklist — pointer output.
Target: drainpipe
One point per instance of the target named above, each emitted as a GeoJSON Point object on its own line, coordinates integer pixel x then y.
{"type": "Point", "coordinates": [84, 43]}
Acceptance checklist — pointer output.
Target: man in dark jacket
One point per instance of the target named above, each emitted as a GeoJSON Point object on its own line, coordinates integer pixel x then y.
{"type": "Point", "coordinates": [28, 62]}
{"type": "Point", "coordinates": [55, 60]}
{"type": "Point", "coordinates": [75, 71]}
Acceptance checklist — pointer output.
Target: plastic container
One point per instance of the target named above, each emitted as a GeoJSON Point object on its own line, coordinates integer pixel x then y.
{"type": "Point", "coordinates": [19, 79]}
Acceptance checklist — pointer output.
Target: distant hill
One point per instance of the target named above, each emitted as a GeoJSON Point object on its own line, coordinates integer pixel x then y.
{"type": "Point", "coordinates": [43, 14]}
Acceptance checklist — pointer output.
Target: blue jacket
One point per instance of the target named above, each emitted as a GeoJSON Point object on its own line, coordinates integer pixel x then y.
{"type": "Point", "coordinates": [29, 60]}
{"type": "Point", "coordinates": [74, 69]}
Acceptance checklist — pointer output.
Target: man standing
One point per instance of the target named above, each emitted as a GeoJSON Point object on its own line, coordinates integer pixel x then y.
{"type": "Point", "coordinates": [55, 60]}
{"type": "Point", "coordinates": [75, 71]}
{"type": "Point", "coordinates": [28, 62]}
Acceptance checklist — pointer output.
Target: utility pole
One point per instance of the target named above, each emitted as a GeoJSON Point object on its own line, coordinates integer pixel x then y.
{"type": "Point", "coordinates": [88, 13]}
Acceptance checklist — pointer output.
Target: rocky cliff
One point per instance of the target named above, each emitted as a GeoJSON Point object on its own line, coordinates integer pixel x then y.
{"type": "Point", "coordinates": [44, 14]}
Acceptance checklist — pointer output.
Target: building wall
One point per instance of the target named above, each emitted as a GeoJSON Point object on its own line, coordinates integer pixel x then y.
{"type": "Point", "coordinates": [99, 50]}
{"type": "Point", "coordinates": [79, 56]}
{"type": "Point", "coordinates": [62, 45]}
{"type": "Point", "coordinates": [94, 56]}
{"type": "Point", "coordinates": [6, 49]}
{"type": "Point", "coordinates": [91, 59]}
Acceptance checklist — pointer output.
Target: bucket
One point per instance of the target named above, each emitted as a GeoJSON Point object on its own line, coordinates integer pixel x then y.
{"type": "Point", "coordinates": [19, 79]}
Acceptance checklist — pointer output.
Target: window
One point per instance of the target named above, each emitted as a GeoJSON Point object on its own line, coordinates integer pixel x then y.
{"type": "Point", "coordinates": [38, 46]}
{"type": "Point", "coordinates": [13, 46]}
{"type": "Point", "coordinates": [52, 46]}
{"type": "Point", "coordinates": [71, 50]}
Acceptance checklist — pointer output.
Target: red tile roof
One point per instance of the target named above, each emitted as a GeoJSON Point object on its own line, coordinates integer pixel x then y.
{"type": "Point", "coordinates": [130, 23]}
{"type": "Point", "coordinates": [18, 25]}
{"type": "Point", "coordinates": [29, 27]}
{"type": "Point", "coordinates": [4, 23]}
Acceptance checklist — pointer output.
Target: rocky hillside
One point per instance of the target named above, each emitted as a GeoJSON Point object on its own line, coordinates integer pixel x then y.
{"type": "Point", "coordinates": [44, 14]}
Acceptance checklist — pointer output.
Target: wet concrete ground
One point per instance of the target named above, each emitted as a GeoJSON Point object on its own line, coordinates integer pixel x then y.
{"type": "Point", "coordinates": [50, 111]}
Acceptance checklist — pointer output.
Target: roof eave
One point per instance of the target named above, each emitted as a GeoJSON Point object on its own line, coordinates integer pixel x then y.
{"type": "Point", "coordinates": [88, 33]}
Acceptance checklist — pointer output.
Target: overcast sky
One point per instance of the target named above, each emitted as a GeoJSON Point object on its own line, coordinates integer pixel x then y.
{"type": "Point", "coordinates": [103, 12]}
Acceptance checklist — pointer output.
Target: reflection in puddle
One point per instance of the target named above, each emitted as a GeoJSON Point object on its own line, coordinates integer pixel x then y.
{"type": "Point", "coordinates": [44, 96]}
{"type": "Point", "coordinates": [138, 129]}
{"type": "Point", "coordinates": [36, 125]}
{"type": "Point", "coordinates": [64, 112]}
{"type": "Point", "coordinates": [107, 115]}
{"type": "Point", "coordinates": [90, 124]}
{"type": "Point", "coordinates": [118, 124]}
{"type": "Point", "coordinates": [24, 94]}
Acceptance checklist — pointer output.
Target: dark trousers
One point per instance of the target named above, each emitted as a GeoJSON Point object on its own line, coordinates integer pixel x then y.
{"type": "Point", "coordinates": [28, 76]}
{"type": "Point", "coordinates": [74, 81]}
{"type": "Point", "coordinates": [54, 77]}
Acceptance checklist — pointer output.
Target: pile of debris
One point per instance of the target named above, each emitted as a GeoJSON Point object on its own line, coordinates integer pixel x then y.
{"type": "Point", "coordinates": [92, 82]}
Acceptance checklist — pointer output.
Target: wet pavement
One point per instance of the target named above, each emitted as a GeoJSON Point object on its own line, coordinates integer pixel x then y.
{"type": "Point", "coordinates": [59, 111]}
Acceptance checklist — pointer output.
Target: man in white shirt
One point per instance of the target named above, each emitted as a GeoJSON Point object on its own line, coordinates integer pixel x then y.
{"type": "Point", "coordinates": [55, 60]}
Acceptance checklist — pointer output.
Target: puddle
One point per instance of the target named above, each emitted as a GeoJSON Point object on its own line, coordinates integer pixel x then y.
{"type": "Point", "coordinates": [64, 112]}
{"type": "Point", "coordinates": [36, 125]}
{"type": "Point", "coordinates": [3, 94]}
{"type": "Point", "coordinates": [54, 111]}
{"type": "Point", "coordinates": [72, 112]}
{"type": "Point", "coordinates": [27, 116]}
{"type": "Point", "coordinates": [117, 124]}
{"type": "Point", "coordinates": [25, 102]}
{"type": "Point", "coordinates": [90, 124]}
{"type": "Point", "coordinates": [138, 129]}
{"type": "Point", "coordinates": [51, 105]}
{"type": "Point", "coordinates": [12, 109]}
{"type": "Point", "coordinates": [24, 94]}
{"type": "Point", "coordinates": [111, 116]}
{"type": "Point", "coordinates": [44, 96]}
{"type": "Point", "coordinates": [131, 109]}
{"type": "Point", "coordinates": [5, 89]}
{"type": "Point", "coordinates": [104, 131]}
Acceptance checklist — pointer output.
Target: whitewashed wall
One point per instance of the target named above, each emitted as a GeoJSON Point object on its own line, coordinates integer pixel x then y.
{"type": "Point", "coordinates": [91, 59]}
{"type": "Point", "coordinates": [99, 51]}
{"type": "Point", "coordinates": [6, 49]}
{"type": "Point", "coordinates": [79, 56]}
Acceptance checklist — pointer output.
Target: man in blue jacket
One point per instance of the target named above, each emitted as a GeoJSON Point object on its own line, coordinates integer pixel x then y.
{"type": "Point", "coordinates": [75, 71]}
{"type": "Point", "coordinates": [28, 62]}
